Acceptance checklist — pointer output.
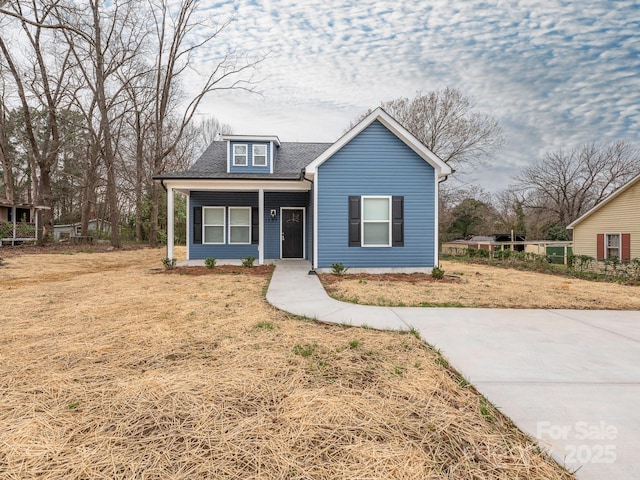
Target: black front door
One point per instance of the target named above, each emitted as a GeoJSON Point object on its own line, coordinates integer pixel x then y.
{"type": "Point", "coordinates": [292, 233]}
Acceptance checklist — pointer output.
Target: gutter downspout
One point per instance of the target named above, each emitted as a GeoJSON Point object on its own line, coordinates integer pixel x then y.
{"type": "Point", "coordinates": [313, 246]}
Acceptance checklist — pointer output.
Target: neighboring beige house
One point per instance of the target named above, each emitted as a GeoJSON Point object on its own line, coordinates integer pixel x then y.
{"type": "Point", "coordinates": [611, 228]}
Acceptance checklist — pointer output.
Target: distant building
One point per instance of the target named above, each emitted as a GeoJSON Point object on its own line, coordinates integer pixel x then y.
{"type": "Point", "coordinates": [486, 242]}
{"type": "Point", "coordinates": [71, 230]}
{"type": "Point", "coordinates": [611, 228]}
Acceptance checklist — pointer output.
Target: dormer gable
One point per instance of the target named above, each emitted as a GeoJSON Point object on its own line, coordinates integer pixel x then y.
{"type": "Point", "coordinates": [251, 153]}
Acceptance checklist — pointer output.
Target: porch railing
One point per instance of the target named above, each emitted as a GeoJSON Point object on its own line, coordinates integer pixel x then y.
{"type": "Point", "coordinates": [19, 231]}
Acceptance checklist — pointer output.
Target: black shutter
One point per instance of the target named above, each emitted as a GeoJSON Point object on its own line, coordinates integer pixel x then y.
{"type": "Point", "coordinates": [197, 225]}
{"type": "Point", "coordinates": [397, 227]}
{"type": "Point", "coordinates": [255, 225]}
{"type": "Point", "coordinates": [354, 221]}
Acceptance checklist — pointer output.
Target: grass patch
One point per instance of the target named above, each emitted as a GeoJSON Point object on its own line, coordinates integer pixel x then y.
{"type": "Point", "coordinates": [479, 285]}
{"type": "Point", "coordinates": [127, 382]}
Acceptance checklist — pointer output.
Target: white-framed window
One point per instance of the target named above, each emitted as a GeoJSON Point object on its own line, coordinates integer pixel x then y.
{"type": "Point", "coordinates": [213, 225]}
{"type": "Point", "coordinates": [240, 225]}
{"type": "Point", "coordinates": [259, 155]}
{"type": "Point", "coordinates": [240, 155]}
{"type": "Point", "coordinates": [612, 246]}
{"type": "Point", "coordinates": [376, 221]}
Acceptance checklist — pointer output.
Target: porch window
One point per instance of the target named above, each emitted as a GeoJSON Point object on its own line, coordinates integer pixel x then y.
{"type": "Point", "coordinates": [213, 224]}
{"type": "Point", "coordinates": [376, 221]}
{"type": "Point", "coordinates": [612, 243]}
{"type": "Point", "coordinates": [259, 155]}
{"type": "Point", "coordinates": [240, 225]}
{"type": "Point", "coordinates": [239, 155]}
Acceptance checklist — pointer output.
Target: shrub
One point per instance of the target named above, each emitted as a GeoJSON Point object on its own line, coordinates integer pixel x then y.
{"type": "Point", "coordinates": [478, 253]}
{"type": "Point", "coordinates": [210, 262]}
{"type": "Point", "coordinates": [248, 262]}
{"type": "Point", "coordinates": [437, 273]}
{"type": "Point", "coordinates": [169, 263]}
{"type": "Point", "coordinates": [580, 262]}
{"type": "Point", "coordinates": [338, 269]}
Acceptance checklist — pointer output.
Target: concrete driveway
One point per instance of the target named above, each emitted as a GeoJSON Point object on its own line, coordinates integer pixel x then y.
{"type": "Point", "coordinates": [569, 378]}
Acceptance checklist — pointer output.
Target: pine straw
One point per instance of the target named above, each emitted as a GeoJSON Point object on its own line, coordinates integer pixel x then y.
{"type": "Point", "coordinates": [111, 370]}
{"type": "Point", "coordinates": [484, 286]}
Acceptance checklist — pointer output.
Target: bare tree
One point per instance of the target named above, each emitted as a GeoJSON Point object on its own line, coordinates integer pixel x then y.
{"type": "Point", "coordinates": [108, 46]}
{"type": "Point", "coordinates": [565, 184]}
{"type": "Point", "coordinates": [104, 43]}
{"type": "Point", "coordinates": [47, 85]}
{"type": "Point", "coordinates": [5, 157]}
{"type": "Point", "coordinates": [209, 130]}
{"type": "Point", "coordinates": [179, 34]}
{"type": "Point", "coordinates": [446, 123]}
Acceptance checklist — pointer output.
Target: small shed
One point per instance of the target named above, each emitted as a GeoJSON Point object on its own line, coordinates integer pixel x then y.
{"type": "Point", "coordinates": [74, 230]}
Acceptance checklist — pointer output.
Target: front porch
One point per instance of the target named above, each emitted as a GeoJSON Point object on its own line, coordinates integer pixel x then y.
{"type": "Point", "coordinates": [229, 224]}
{"type": "Point", "coordinates": [16, 225]}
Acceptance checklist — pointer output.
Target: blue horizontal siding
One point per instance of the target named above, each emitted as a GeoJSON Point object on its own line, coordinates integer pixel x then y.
{"type": "Point", "coordinates": [272, 200]}
{"type": "Point", "coordinates": [376, 162]}
{"type": "Point", "coordinates": [220, 199]}
{"type": "Point", "coordinates": [249, 168]}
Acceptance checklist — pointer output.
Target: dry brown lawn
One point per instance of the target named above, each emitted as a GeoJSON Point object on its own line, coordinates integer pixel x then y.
{"type": "Point", "coordinates": [483, 286]}
{"type": "Point", "coordinates": [110, 368]}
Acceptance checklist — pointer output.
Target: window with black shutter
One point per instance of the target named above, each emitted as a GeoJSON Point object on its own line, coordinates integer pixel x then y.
{"type": "Point", "coordinates": [354, 221]}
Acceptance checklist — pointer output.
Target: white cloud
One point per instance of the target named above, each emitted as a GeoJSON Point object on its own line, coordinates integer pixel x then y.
{"type": "Point", "coordinates": [554, 73]}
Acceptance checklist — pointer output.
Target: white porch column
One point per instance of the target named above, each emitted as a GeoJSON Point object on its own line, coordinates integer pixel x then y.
{"type": "Point", "coordinates": [170, 226]}
{"type": "Point", "coordinates": [261, 226]}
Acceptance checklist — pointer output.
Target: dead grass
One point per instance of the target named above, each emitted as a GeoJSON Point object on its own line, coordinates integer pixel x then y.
{"type": "Point", "coordinates": [484, 286]}
{"type": "Point", "coordinates": [109, 369]}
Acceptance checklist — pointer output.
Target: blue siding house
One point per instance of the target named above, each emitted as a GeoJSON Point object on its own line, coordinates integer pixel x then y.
{"type": "Point", "coordinates": [368, 201]}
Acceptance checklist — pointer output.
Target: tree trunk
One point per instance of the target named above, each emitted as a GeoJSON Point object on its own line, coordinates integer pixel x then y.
{"type": "Point", "coordinates": [153, 230]}
{"type": "Point", "coordinates": [5, 160]}
{"type": "Point", "coordinates": [139, 176]}
{"type": "Point", "coordinates": [105, 128]}
{"type": "Point", "coordinates": [45, 198]}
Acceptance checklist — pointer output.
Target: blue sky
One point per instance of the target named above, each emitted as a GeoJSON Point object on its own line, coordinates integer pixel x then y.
{"type": "Point", "coordinates": [554, 73]}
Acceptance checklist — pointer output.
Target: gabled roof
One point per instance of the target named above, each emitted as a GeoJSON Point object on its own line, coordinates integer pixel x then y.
{"type": "Point", "coordinates": [292, 157]}
{"type": "Point", "coordinates": [398, 130]}
{"type": "Point", "coordinates": [614, 195]}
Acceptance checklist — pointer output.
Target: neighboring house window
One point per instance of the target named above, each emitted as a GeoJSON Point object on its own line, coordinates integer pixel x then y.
{"type": "Point", "coordinates": [376, 221]}
{"type": "Point", "coordinates": [240, 155]}
{"type": "Point", "coordinates": [239, 224]}
{"type": "Point", "coordinates": [259, 155]}
{"type": "Point", "coordinates": [612, 245]}
{"type": "Point", "coordinates": [213, 224]}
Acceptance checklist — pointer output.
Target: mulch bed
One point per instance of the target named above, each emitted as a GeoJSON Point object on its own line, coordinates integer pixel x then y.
{"type": "Point", "coordinates": [413, 278]}
{"type": "Point", "coordinates": [258, 270]}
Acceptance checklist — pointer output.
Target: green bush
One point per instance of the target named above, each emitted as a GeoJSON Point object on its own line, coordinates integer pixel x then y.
{"type": "Point", "coordinates": [437, 273]}
{"type": "Point", "coordinates": [338, 269]}
{"type": "Point", "coordinates": [169, 263]}
{"type": "Point", "coordinates": [210, 262]}
{"type": "Point", "coordinates": [478, 253]}
{"type": "Point", "coordinates": [248, 262]}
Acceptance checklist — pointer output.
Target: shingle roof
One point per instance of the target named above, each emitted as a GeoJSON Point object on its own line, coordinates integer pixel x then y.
{"type": "Point", "coordinates": [291, 158]}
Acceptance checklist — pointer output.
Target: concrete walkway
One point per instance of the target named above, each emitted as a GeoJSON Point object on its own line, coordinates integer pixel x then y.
{"type": "Point", "coordinates": [569, 378]}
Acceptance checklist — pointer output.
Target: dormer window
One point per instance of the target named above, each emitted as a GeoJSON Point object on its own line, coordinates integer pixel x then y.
{"type": "Point", "coordinates": [249, 154]}
{"type": "Point", "coordinates": [259, 155]}
{"type": "Point", "coordinates": [239, 155]}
